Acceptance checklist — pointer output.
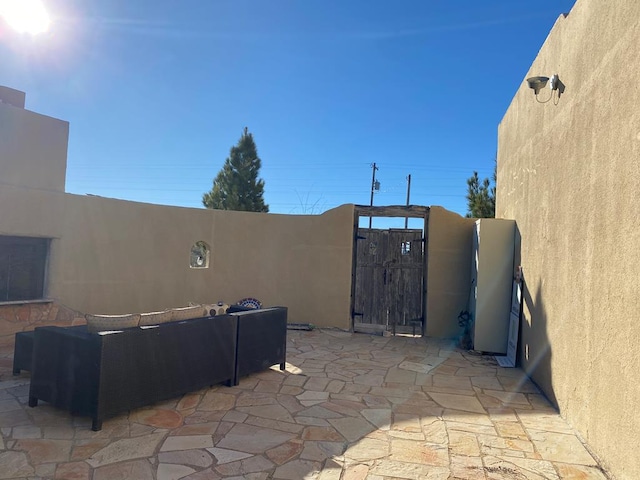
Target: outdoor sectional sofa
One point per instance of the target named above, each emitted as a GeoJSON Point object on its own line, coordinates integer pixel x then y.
{"type": "Point", "coordinates": [106, 373]}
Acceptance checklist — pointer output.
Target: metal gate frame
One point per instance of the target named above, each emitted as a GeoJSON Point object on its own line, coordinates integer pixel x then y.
{"type": "Point", "coordinates": [400, 211]}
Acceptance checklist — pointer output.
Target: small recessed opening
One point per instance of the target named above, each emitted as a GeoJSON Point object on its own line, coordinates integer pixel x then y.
{"type": "Point", "coordinates": [200, 253]}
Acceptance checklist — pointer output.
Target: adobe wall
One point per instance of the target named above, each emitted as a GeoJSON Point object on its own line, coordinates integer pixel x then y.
{"type": "Point", "coordinates": [448, 271]}
{"type": "Point", "coordinates": [117, 256]}
{"type": "Point", "coordinates": [38, 141]}
{"type": "Point", "coordinates": [113, 256]}
{"type": "Point", "coordinates": [569, 175]}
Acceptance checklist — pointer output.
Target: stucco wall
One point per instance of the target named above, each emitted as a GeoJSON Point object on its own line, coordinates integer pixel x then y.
{"type": "Point", "coordinates": [570, 176]}
{"type": "Point", "coordinates": [12, 96]}
{"type": "Point", "coordinates": [448, 271]}
{"type": "Point", "coordinates": [114, 256]}
{"type": "Point", "coordinates": [118, 256]}
{"type": "Point", "coordinates": [40, 144]}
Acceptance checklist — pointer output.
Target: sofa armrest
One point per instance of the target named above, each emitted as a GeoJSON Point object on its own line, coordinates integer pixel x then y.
{"type": "Point", "coordinates": [262, 340]}
{"type": "Point", "coordinates": [65, 368]}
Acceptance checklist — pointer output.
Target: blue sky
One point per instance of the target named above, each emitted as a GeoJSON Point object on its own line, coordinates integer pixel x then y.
{"type": "Point", "coordinates": [158, 91]}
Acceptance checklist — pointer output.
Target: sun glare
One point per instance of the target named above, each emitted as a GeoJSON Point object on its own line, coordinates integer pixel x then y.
{"type": "Point", "coordinates": [25, 16]}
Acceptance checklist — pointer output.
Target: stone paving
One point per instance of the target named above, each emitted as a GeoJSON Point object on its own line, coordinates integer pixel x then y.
{"type": "Point", "coordinates": [348, 407]}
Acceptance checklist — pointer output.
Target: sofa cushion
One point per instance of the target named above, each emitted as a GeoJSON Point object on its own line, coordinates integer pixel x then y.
{"type": "Point", "coordinates": [187, 313]}
{"type": "Point", "coordinates": [155, 318]}
{"type": "Point", "coordinates": [101, 323]}
{"type": "Point", "coordinates": [216, 309]}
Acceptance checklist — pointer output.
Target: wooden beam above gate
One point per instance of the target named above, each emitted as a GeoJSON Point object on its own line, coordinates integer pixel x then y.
{"type": "Point", "coordinates": [412, 211]}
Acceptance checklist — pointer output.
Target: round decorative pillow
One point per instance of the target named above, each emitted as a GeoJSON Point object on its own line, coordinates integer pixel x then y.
{"type": "Point", "coordinates": [250, 303]}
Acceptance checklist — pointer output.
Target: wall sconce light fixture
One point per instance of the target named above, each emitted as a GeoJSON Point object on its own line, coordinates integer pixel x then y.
{"type": "Point", "coordinates": [538, 83]}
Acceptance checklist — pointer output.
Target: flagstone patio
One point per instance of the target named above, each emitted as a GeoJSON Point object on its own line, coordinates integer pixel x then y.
{"type": "Point", "coordinates": [348, 407]}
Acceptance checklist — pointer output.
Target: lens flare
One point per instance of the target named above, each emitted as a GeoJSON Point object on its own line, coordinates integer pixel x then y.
{"type": "Point", "coordinates": [25, 16]}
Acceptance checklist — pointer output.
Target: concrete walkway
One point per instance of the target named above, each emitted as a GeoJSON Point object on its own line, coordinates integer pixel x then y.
{"type": "Point", "coordinates": [349, 407]}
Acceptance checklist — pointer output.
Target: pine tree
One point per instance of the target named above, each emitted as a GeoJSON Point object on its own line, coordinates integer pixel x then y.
{"type": "Point", "coordinates": [481, 197]}
{"type": "Point", "coordinates": [237, 186]}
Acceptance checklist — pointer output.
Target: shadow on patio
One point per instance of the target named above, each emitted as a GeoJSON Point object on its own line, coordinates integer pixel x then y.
{"type": "Point", "coordinates": [349, 406]}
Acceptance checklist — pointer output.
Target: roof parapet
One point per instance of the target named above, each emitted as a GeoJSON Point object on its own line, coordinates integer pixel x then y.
{"type": "Point", "coordinates": [12, 97]}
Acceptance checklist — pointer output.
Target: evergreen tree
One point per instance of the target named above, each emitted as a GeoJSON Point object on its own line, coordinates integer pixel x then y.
{"type": "Point", "coordinates": [237, 186]}
{"type": "Point", "coordinates": [481, 197]}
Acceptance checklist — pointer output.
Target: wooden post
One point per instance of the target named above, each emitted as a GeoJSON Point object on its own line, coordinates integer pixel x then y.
{"type": "Point", "coordinates": [406, 219]}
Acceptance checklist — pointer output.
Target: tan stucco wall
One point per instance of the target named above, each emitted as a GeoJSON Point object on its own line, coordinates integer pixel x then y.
{"type": "Point", "coordinates": [118, 257]}
{"type": "Point", "coordinates": [33, 149]}
{"type": "Point", "coordinates": [30, 212]}
{"type": "Point", "coordinates": [448, 271]}
{"type": "Point", "coordinates": [570, 176]}
{"type": "Point", "coordinates": [12, 96]}
{"type": "Point", "coordinates": [114, 256]}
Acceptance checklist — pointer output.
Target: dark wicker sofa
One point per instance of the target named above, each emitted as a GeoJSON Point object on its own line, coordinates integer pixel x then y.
{"type": "Point", "coordinates": [103, 374]}
{"type": "Point", "coordinates": [261, 340]}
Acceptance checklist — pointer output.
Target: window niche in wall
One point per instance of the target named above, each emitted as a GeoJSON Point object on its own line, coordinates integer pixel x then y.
{"type": "Point", "coordinates": [23, 262]}
{"type": "Point", "coordinates": [200, 253]}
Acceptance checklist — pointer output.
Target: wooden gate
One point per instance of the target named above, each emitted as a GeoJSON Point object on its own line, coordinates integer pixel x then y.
{"type": "Point", "coordinates": [388, 279]}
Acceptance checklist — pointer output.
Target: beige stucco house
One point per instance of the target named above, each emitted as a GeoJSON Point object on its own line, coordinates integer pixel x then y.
{"type": "Point", "coordinates": [569, 174]}
{"type": "Point", "coordinates": [102, 255]}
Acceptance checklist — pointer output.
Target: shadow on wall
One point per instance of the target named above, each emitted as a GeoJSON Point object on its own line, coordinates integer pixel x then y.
{"type": "Point", "coordinates": [535, 348]}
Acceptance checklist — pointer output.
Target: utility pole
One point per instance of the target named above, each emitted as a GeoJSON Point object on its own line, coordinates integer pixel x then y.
{"type": "Point", "coordinates": [406, 219]}
{"type": "Point", "coordinates": [373, 186]}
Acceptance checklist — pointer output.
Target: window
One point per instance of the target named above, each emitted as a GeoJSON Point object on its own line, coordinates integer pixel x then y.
{"type": "Point", "coordinates": [22, 268]}
{"type": "Point", "coordinates": [406, 248]}
{"type": "Point", "coordinates": [199, 255]}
